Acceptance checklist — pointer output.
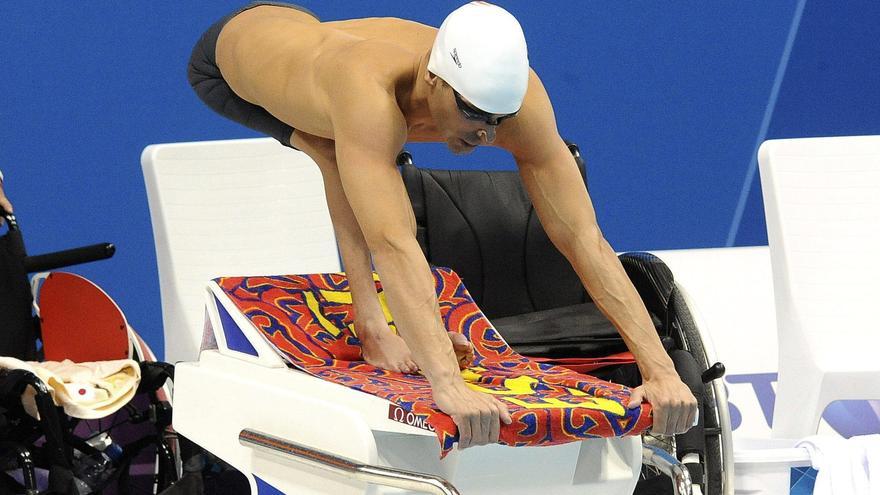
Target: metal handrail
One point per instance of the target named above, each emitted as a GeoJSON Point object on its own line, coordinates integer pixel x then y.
{"type": "Point", "coordinates": [397, 478]}
{"type": "Point", "coordinates": [724, 425]}
{"type": "Point", "coordinates": [670, 466]}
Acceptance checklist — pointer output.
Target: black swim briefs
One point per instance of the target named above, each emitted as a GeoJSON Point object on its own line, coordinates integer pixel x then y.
{"type": "Point", "coordinates": [207, 81]}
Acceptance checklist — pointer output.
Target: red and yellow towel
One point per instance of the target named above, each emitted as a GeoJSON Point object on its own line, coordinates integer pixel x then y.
{"type": "Point", "coordinates": [309, 320]}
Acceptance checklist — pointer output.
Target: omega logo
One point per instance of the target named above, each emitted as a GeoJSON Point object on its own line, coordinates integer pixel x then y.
{"type": "Point", "coordinates": [400, 415]}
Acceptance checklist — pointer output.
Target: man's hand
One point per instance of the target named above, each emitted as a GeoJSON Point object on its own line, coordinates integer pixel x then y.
{"type": "Point", "coordinates": [5, 205]}
{"type": "Point", "coordinates": [675, 407]}
{"type": "Point", "coordinates": [477, 415]}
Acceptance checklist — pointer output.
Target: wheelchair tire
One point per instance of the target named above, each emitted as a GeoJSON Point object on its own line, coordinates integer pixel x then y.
{"type": "Point", "coordinates": [667, 306]}
{"type": "Point", "coordinates": [689, 339]}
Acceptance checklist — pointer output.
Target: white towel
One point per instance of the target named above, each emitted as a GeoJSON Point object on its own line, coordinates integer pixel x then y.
{"type": "Point", "coordinates": [84, 390]}
{"type": "Point", "coordinates": [870, 447]}
{"type": "Point", "coordinates": [845, 467]}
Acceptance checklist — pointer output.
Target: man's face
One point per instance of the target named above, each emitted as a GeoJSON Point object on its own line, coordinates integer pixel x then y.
{"type": "Point", "coordinates": [462, 125]}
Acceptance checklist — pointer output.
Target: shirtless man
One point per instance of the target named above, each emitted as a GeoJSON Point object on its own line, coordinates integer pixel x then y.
{"type": "Point", "coordinates": [350, 94]}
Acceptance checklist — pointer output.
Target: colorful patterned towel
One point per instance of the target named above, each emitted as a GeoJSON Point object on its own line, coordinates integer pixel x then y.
{"type": "Point", "coordinates": [308, 319]}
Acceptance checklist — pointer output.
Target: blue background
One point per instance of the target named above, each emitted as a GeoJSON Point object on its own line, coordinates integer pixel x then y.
{"type": "Point", "coordinates": [668, 101]}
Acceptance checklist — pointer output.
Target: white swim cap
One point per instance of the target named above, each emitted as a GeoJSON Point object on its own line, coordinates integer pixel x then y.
{"type": "Point", "coordinates": [480, 51]}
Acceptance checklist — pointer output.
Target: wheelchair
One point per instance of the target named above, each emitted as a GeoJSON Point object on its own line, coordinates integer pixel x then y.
{"type": "Point", "coordinates": [482, 225]}
{"type": "Point", "coordinates": [130, 451]}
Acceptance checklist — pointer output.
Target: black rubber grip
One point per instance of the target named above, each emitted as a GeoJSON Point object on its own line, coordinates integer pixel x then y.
{"type": "Point", "coordinates": [694, 441]}
{"type": "Point", "coordinates": [68, 257]}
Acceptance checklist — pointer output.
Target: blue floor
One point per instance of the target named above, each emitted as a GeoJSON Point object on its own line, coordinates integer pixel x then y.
{"type": "Point", "coordinates": [802, 481]}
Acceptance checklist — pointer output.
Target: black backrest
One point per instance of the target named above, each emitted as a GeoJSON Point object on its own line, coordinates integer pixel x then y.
{"type": "Point", "coordinates": [482, 225]}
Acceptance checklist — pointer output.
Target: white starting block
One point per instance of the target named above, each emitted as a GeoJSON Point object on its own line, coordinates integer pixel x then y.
{"type": "Point", "coordinates": [303, 435]}
{"type": "Point", "coordinates": [287, 431]}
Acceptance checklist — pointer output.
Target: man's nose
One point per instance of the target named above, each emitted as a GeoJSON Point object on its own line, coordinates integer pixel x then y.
{"type": "Point", "coordinates": [487, 135]}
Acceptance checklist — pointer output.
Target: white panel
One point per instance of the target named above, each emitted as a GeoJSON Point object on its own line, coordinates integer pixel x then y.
{"type": "Point", "coordinates": [822, 202]}
{"type": "Point", "coordinates": [221, 395]}
{"type": "Point", "coordinates": [224, 208]}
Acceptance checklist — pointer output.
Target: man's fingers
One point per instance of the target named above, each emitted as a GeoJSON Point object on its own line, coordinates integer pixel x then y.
{"type": "Point", "coordinates": [488, 416]}
{"type": "Point", "coordinates": [690, 417]}
{"type": "Point", "coordinates": [687, 417]}
{"type": "Point", "coordinates": [495, 429]}
{"type": "Point", "coordinates": [681, 414]}
{"type": "Point", "coordinates": [681, 418]}
{"type": "Point", "coordinates": [476, 430]}
{"type": "Point", "coordinates": [674, 405]}
{"type": "Point", "coordinates": [661, 415]}
{"type": "Point", "coordinates": [464, 431]}
{"type": "Point", "coordinates": [636, 398]}
{"type": "Point", "coordinates": [483, 427]}
{"type": "Point", "coordinates": [503, 412]}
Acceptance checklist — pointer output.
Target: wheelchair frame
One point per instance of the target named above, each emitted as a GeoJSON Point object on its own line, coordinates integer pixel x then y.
{"type": "Point", "coordinates": [58, 454]}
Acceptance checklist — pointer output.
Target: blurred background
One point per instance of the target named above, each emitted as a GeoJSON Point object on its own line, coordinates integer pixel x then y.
{"type": "Point", "coordinates": [668, 102]}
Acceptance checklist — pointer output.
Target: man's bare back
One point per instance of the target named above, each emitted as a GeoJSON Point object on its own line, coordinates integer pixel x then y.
{"type": "Point", "coordinates": [350, 94]}
{"type": "Point", "coordinates": [295, 54]}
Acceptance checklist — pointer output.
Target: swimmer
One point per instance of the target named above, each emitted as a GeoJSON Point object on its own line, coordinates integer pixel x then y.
{"type": "Point", "coordinates": [350, 94]}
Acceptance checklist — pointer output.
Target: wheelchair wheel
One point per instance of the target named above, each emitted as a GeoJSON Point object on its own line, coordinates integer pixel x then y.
{"type": "Point", "coordinates": [667, 303]}
{"type": "Point", "coordinates": [707, 471]}
{"type": "Point", "coordinates": [689, 339]}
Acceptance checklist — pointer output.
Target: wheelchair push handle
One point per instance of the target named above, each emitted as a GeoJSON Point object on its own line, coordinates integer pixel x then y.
{"type": "Point", "coordinates": [57, 259]}
{"type": "Point", "coordinates": [68, 257]}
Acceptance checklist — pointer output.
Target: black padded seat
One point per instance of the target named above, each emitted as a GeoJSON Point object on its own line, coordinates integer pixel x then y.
{"type": "Point", "coordinates": [579, 330]}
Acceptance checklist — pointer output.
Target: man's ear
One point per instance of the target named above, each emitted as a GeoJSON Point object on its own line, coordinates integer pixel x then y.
{"type": "Point", "coordinates": [431, 79]}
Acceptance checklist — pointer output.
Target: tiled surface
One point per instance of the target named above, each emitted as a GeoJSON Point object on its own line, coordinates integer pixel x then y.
{"type": "Point", "coordinates": [802, 481]}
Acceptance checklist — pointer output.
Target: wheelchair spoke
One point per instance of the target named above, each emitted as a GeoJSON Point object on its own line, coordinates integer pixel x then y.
{"type": "Point", "coordinates": [664, 442]}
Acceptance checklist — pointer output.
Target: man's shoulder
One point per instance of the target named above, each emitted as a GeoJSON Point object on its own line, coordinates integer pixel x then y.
{"type": "Point", "coordinates": [534, 126]}
{"type": "Point", "coordinates": [364, 109]}
{"type": "Point", "coordinates": [365, 78]}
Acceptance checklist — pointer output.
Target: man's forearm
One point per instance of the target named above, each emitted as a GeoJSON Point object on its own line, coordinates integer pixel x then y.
{"type": "Point", "coordinates": [412, 300]}
{"type": "Point", "coordinates": [610, 288]}
{"type": "Point", "coordinates": [356, 257]}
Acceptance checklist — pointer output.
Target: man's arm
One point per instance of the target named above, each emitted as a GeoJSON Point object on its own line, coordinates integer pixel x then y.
{"type": "Point", "coordinates": [369, 132]}
{"type": "Point", "coordinates": [563, 205]}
